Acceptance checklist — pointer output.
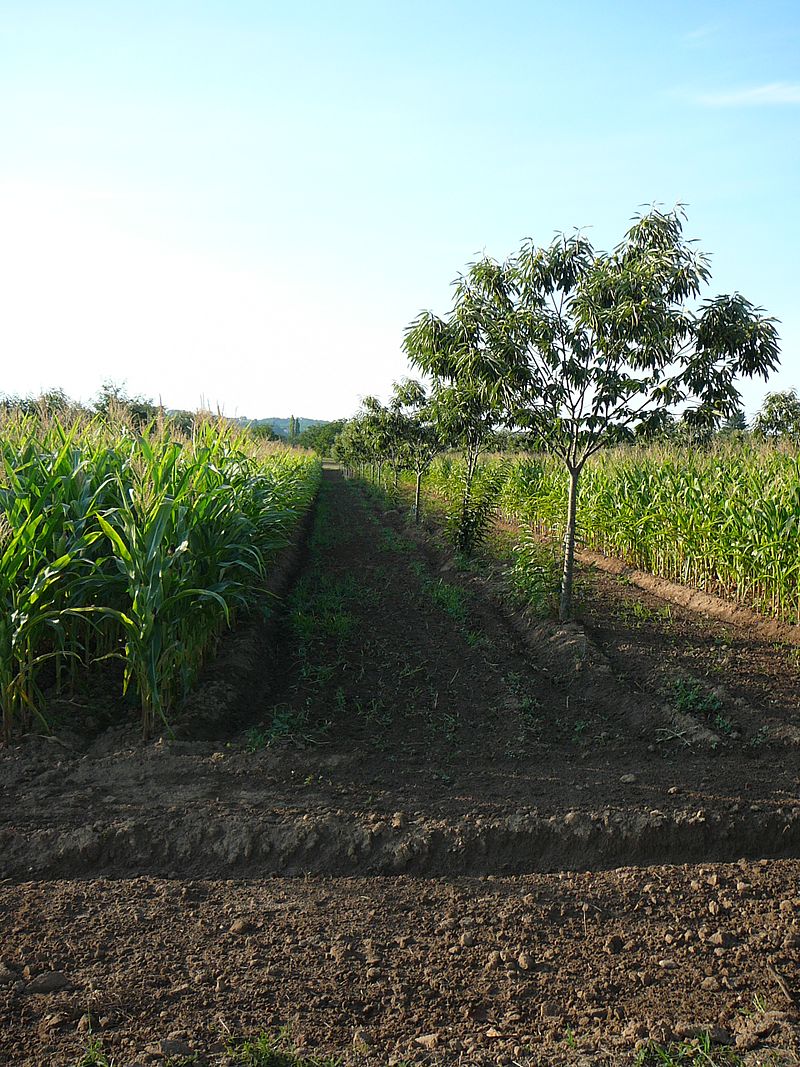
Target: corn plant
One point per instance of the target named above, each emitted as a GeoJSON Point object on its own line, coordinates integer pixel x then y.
{"type": "Point", "coordinates": [726, 521]}
{"type": "Point", "coordinates": [137, 544]}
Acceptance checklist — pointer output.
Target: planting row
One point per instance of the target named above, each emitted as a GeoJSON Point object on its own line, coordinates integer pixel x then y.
{"type": "Point", "coordinates": [141, 546]}
{"type": "Point", "coordinates": [726, 521]}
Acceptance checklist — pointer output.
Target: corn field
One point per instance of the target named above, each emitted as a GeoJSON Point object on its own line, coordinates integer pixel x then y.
{"type": "Point", "coordinates": [138, 545]}
{"type": "Point", "coordinates": [726, 521]}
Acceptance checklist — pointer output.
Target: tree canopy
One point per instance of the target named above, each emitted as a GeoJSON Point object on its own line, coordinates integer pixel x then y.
{"type": "Point", "coordinates": [587, 347]}
{"type": "Point", "coordinates": [779, 416]}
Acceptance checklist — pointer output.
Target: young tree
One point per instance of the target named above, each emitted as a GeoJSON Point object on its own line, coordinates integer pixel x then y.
{"type": "Point", "coordinates": [734, 427]}
{"type": "Point", "coordinates": [587, 346]}
{"type": "Point", "coordinates": [114, 398]}
{"type": "Point", "coordinates": [351, 447]}
{"type": "Point", "coordinates": [779, 416]}
{"type": "Point", "coordinates": [389, 429]}
{"type": "Point", "coordinates": [421, 440]}
{"type": "Point", "coordinates": [466, 403]}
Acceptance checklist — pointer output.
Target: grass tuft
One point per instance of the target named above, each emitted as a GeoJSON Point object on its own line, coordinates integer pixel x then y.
{"type": "Point", "coordinates": [695, 1052]}
{"type": "Point", "coordinates": [272, 1050]}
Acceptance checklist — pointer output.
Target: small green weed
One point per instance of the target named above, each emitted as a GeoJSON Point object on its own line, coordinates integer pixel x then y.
{"type": "Point", "coordinates": [450, 598]}
{"type": "Point", "coordinates": [759, 738]}
{"type": "Point", "coordinates": [476, 639]}
{"type": "Point", "coordinates": [697, 1052]}
{"type": "Point", "coordinates": [723, 725]}
{"type": "Point", "coordinates": [94, 1056]}
{"type": "Point", "coordinates": [391, 541]}
{"type": "Point", "coordinates": [286, 723]}
{"type": "Point", "coordinates": [419, 568]}
{"type": "Point", "coordinates": [641, 612]}
{"type": "Point", "coordinates": [321, 624]}
{"type": "Point", "coordinates": [272, 1050]}
{"type": "Point", "coordinates": [579, 730]}
{"type": "Point", "coordinates": [760, 1006]}
{"type": "Point", "coordinates": [693, 699]}
{"type": "Point", "coordinates": [759, 1003]}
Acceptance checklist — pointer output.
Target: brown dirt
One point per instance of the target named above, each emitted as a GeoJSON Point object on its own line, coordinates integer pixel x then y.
{"type": "Point", "coordinates": [438, 735]}
{"type": "Point", "coordinates": [537, 969]}
{"type": "Point", "coordinates": [702, 603]}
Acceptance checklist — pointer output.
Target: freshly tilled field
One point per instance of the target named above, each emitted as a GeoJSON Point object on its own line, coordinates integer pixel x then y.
{"type": "Point", "coordinates": [533, 970]}
{"type": "Point", "coordinates": [479, 841]}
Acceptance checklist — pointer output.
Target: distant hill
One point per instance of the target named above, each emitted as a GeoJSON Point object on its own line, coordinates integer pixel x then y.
{"type": "Point", "coordinates": [281, 426]}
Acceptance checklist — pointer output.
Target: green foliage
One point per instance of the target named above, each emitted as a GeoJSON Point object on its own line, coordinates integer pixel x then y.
{"type": "Point", "coordinates": [586, 347]}
{"type": "Point", "coordinates": [469, 522]}
{"type": "Point", "coordinates": [735, 424]}
{"type": "Point", "coordinates": [52, 402]}
{"type": "Point", "coordinates": [272, 1050]}
{"type": "Point", "coordinates": [450, 598]}
{"type": "Point", "coordinates": [283, 428]}
{"type": "Point", "coordinates": [94, 1056]}
{"type": "Point", "coordinates": [724, 520]}
{"type": "Point", "coordinates": [139, 546]}
{"type": "Point", "coordinates": [285, 723]}
{"type": "Point", "coordinates": [405, 435]}
{"type": "Point", "coordinates": [321, 438]}
{"type": "Point", "coordinates": [263, 431]}
{"type": "Point", "coordinates": [695, 1052]}
{"type": "Point", "coordinates": [779, 416]}
{"type": "Point", "coordinates": [113, 401]}
{"type": "Point", "coordinates": [536, 573]}
{"type": "Point", "coordinates": [472, 500]}
{"type": "Point", "coordinates": [693, 699]}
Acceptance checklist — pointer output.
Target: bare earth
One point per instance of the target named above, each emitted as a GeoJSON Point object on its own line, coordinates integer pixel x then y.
{"type": "Point", "coordinates": [488, 839]}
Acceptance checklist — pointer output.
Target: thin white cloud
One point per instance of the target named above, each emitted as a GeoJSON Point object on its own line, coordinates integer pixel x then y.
{"type": "Point", "coordinates": [702, 33]}
{"type": "Point", "coordinates": [774, 93]}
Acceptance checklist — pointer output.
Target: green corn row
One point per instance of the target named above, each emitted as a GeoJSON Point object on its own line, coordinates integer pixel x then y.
{"type": "Point", "coordinates": [725, 521]}
{"type": "Point", "coordinates": [138, 545]}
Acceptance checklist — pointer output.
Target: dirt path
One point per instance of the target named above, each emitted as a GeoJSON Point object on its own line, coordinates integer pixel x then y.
{"type": "Point", "coordinates": [407, 723]}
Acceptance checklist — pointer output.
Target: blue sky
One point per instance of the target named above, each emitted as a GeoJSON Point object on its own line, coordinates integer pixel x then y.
{"type": "Point", "coordinates": [244, 203]}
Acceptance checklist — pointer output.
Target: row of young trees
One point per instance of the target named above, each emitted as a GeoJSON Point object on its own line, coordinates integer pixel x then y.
{"type": "Point", "coordinates": [577, 347]}
{"type": "Point", "coordinates": [405, 435]}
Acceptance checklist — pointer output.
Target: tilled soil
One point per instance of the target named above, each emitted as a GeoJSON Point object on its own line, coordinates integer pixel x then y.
{"type": "Point", "coordinates": [417, 738]}
{"type": "Point", "coordinates": [536, 969]}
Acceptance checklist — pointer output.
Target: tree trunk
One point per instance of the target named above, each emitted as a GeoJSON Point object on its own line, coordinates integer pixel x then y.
{"type": "Point", "coordinates": [565, 604]}
{"type": "Point", "coordinates": [417, 496]}
{"type": "Point", "coordinates": [469, 474]}
{"type": "Point", "coordinates": [465, 533]}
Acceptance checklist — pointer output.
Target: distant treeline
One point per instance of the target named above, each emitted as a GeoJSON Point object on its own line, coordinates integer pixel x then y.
{"type": "Point", "coordinates": [113, 397]}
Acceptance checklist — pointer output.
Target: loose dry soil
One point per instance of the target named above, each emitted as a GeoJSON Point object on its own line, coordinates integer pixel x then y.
{"type": "Point", "coordinates": [412, 823]}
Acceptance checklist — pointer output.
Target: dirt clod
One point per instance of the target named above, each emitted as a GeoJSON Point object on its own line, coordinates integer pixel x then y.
{"type": "Point", "coordinates": [428, 1041]}
{"type": "Point", "coordinates": [241, 926]}
{"type": "Point", "coordinates": [49, 982]}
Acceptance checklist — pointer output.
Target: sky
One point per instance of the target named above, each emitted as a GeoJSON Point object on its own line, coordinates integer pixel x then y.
{"type": "Point", "coordinates": [243, 203]}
